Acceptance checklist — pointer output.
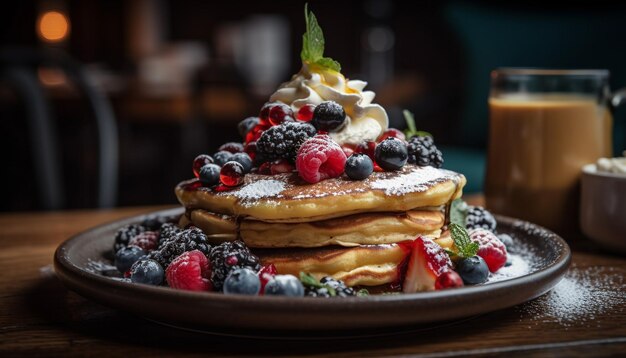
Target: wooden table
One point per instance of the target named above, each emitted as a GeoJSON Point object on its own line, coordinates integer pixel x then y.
{"type": "Point", "coordinates": [38, 316]}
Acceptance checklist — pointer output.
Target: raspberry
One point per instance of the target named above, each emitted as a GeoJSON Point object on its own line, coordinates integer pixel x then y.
{"type": "Point", "coordinates": [423, 152]}
{"type": "Point", "coordinates": [123, 235]}
{"type": "Point", "coordinates": [147, 240]}
{"type": "Point", "coordinates": [491, 249]}
{"type": "Point", "coordinates": [479, 218]}
{"type": "Point", "coordinates": [186, 240]}
{"type": "Point", "coordinates": [320, 158]}
{"type": "Point", "coordinates": [228, 256]}
{"type": "Point", "coordinates": [189, 271]}
{"type": "Point", "coordinates": [283, 141]}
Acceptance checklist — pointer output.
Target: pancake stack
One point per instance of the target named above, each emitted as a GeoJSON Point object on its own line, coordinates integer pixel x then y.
{"type": "Point", "coordinates": [355, 231]}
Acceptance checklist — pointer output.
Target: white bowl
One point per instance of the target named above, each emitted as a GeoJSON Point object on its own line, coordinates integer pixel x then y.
{"type": "Point", "coordinates": [603, 207]}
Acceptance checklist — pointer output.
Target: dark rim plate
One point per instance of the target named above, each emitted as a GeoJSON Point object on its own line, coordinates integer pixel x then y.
{"type": "Point", "coordinates": [547, 255]}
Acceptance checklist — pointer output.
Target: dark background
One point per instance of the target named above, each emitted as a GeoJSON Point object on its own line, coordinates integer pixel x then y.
{"type": "Point", "coordinates": [181, 74]}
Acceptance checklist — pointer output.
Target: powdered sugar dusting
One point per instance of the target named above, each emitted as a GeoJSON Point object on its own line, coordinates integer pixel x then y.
{"type": "Point", "coordinates": [519, 267]}
{"type": "Point", "coordinates": [265, 188]}
{"type": "Point", "coordinates": [411, 182]}
{"type": "Point", "coordinates": [582, 295]}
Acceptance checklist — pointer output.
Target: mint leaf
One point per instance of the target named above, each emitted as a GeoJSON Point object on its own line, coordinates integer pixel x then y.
{"type": "Point", "coordinates": [465, 245]}
{"type": "Point", "coordinates": [313, 44]}
{"type": "Point", "coordinates": [410, 123]}
{"type": "Point", "coordinates": [362, 292]}
{"type": "Point", "coordinates": [458, 212]}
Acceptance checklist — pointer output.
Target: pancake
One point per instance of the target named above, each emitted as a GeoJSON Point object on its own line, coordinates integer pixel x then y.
{"type": "Point", "coordinates": [353, 230]}
{"type": "Point", "coordinates": [286, 198]}
{"type": "Point", "coordinates": [368, 265]}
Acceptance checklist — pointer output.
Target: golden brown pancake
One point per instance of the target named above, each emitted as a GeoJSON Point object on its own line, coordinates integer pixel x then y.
{"type": "Point", "coordinates": [286, 197]}
{"type": "Point", "coordinates": [353, 230]}
{"type": "Point", "coordinates": [367, 265]}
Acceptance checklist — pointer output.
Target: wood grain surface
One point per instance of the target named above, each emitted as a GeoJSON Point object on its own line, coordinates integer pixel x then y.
{"type": "Point", "coordinates": [40, 317]}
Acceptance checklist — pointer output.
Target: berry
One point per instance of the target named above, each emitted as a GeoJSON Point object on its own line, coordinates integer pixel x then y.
{"type": "Point", "coordinates": [281, 166]}
{"type": "Point", "coordinates": [283, 141]}
{"type": "Point", "coordinates": [246, 125]}
{"type": "Point", "coordinates": [284, 285]}
{"type": "Point", "coordinates": [423, 152]}
{"type": "Point", "coordinates": [507, 240]}
{"type": "Point", "coordinates": [186, 240]}
{"type": "Point", "coordinates": [127, 256]}
{"type": "Point", "coordinates": [243, 159]}
{"type": "Point", "coordinates": [123, 235]}
{"type": "Point", "coordinates": [147, 271]}
{"type": "Point", "coordinates": [265, 168]}
{"type": "Point", "coordinates": [479, 218]}
{"type": "Point", "coordinates": [391, 154]}
{"type": "Point", "coordinates": [328, 116]}
{"type": "Point", "coordinates": [320, 158]}
{"type": "Point", "coordinates": [427, 262]}
{"type": "Point", "coordinates": [266, 273]}
{"type": "Point", "coordinates": [280, 113]}
{"type": "Point", "coordinates": [190, 271]}
{"type": "Point", "coordinates": [448, 279]}
{"type": "Point", "coordinates": [250, 149]}
{"type": "Point", "coordinates": [491, 249]}
{"type": "Point", "coordinates": [339, 287]}
{"type": "Point", "coordinates": [368, 148]}
{"type": "Point", "coordinates": [473, 270]}
{"type": "Point", "coordinates": [228, 256]}
{"type": "Point", "coordinates": [242, 281]}
{"type": "Point", "coordinates": [391, 132]}
{"type": "Point", "coordinates": [147, 240]}
{"type": "Point", "coordinates": [347, 150]}
{"type": "Point", "coordinates": [232, 174]}
{"type": "Point", "coordinates": [222, 157]}
{"type": "Point", "coordinates": [210, 174]}
{"type": "Point", "coordinates": [359, 166]}
{"type": "Point", "coordinates": [199, 162]}
{"type": "Point", "coordinates": [153, 223]}
{"type": "Point", "coordinates": [305, 113]}
{"type": "Point", "coordinates": [167, 231]}
{"type": "Point", "coordinates": [232, 147]}
{"type": "Point", "coordinates": [256, 132]}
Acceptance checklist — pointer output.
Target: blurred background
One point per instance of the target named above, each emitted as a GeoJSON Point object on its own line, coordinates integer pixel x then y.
{"type": "Point", "coordinates": [106, 102]}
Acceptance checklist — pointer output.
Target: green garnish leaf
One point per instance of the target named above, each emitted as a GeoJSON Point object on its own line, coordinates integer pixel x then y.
{"type": "Point", "coordinates": [411, 130]}
{"type": "Point", "coordinates": [362, 292]}
{"type": "Point", "coordinates": [466, 247]}
{"type": "Point", "coordinates": [313, 44]}
{"type": "Point", "coordinates": [458, 212]}
{"type": "Point", "coordinates": [308, 280]}
{"type": "Point", "coordinates": [450, 252]}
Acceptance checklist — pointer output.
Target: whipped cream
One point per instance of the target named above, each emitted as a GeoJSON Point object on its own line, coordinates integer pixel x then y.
{"type": "Point", "coordinates": [612, 165]}
{"type": "Point", "coordinates": [364, 120]}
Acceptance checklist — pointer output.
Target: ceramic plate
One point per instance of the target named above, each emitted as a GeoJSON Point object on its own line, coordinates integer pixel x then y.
{"type": "Point", "coordinates": [539, 260]}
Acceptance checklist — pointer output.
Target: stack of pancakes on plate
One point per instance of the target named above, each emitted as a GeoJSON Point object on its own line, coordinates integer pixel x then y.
{"type": "Point", "coordinates": [350, 230]}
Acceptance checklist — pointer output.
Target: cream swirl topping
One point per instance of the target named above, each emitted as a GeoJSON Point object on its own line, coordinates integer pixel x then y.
{"type": "Point", "coordinates": [364, 120]}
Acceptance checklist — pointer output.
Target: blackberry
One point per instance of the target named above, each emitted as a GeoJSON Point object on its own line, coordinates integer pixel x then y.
{"type": "Point", "coordinates": [228, 256]}
{"type": "Point", "coordinates": [186, 240]}
{"type": "Point", "coordinates": [123, 235]}
{"type": "Point", "coordinates": [479, 218]}
{"type": "Point", "coordinates": [283, 141]}
{"type": "Point", "coordinates": [340, 288]}
{"type": "Point", "coordinates": [423, 152]}
{"type": "Point", "coordinates": [168, 231]}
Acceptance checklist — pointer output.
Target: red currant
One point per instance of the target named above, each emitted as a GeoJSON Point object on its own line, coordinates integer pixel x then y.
{"type": "Point", "coordinates": [265, 168]}
{"type": "Point", "coordinates": [250, 149]}
{"type": "Point", "coordinates": [199, 162]}
{"type": "Point", "coordinates": [232, 174]}
{"type": "Point", "coordinates": [281, 166]}
{"type": "Point", "coordinates": [256, 132]}
{"type": "Point", "coordinates": [280, 113]}
{"type": "Point", "coordinates": [391, 132]}
{"type": "Point", "coordinates": [305, 113]}
{"type": "Point", "coordinates": [369, 149]}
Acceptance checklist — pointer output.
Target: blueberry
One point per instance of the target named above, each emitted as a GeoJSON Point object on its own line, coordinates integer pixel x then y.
{"type": "Point", "coordinates": [127, 256]}
{"type": "Point", "coordinates": [244, 160]}
{"type": "Point", "coordinates": [242, 281]}
{"type": "Point", "coordinates": [328, 116]}
{"type": "Point", "coordinates": [246, 125]}
{"type": "Point", "coordinates": [507, 240]}
{"type": "Point", "coordinates": [210, 174]}
{"type": "Point", "coordinates": [359, 166]}
{"type": "Point", "coordinates": [147, 271]}
{"type": "Point", "coordinates": [473, 270]}
{"type": "Point", "coordinates": [284, 285]}
{"type": "Point", "coordinates": [222, 157]}
{"type": "Point", "coordinates": [391, 154]}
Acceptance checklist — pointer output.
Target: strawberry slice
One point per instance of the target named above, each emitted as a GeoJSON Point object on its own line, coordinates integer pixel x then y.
{"type": "Point", "coordinates": [427, 262]}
